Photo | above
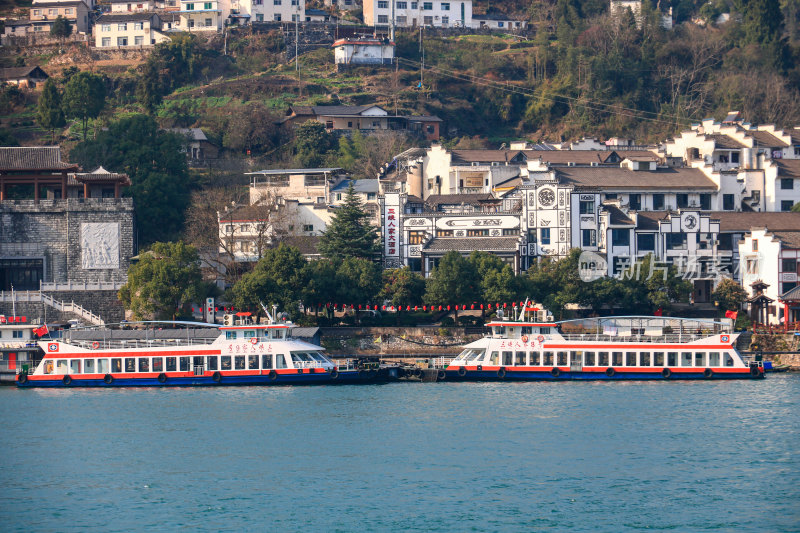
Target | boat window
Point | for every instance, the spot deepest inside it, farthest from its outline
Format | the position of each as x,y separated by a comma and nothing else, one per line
88,366
532,359
699,359
602,358
672,358
686,358
713,359
225,362
276,334
728,360
616,358
548,359
248,333
508,358
184,364
130,364
116,365
477,354
47,366
144,364
75,366
644,358
630,358
463,355
527,330
520,359
562,359
157,364
238,362
296,358
544,331
280,361
102,366
230,335
61,366
576,358
589,359
213,362
499,330
198,360
316,356
171,364
658,358
252,362
494,358
266,361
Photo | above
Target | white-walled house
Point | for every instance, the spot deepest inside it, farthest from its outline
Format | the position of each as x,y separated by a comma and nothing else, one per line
44,12
410,14
131,6
268,10
122,30
204,15
363,51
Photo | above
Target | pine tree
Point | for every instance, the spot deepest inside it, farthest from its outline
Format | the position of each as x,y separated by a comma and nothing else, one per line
350,234
49,113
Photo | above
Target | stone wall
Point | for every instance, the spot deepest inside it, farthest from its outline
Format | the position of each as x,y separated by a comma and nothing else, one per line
102,303
51,230
419,341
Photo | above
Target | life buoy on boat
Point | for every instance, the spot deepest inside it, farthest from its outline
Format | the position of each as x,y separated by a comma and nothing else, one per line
334,374
610,372
524,338
754,372
707,373
441,375
162,378
540,338
95,345
501,373
254,340
108,379
22,379
462,371
666,373
273,375
66,380
555,372
217,377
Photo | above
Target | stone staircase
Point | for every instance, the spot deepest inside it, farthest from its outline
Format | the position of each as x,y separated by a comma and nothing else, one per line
27,297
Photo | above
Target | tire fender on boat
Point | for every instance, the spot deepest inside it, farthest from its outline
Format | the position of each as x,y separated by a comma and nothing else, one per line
217,377
754,372
610,372
66,380
108,379
666,373
22,379
708,373
501,373
162,378
441,375
480,367
273,375
334,374
555,372
462,371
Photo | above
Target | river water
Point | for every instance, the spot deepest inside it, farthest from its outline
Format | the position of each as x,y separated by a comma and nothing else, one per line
720,455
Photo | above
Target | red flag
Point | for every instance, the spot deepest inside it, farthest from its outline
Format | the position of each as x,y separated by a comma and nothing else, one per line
658,312
41,331
731,314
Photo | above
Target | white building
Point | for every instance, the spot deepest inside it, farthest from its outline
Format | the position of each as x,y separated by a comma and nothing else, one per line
267,10
410,14
204,15
129,6
123,30
363,52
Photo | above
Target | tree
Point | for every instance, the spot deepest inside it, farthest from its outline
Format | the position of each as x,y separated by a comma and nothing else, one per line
48,112
278,278
312,143
251,129
729,294
61,28
321,287
453,281
166,278
402,287
349,233
84,97
153,159
358,280
496,278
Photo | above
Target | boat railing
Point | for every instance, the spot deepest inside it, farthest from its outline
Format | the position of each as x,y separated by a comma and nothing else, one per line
308,364
667,338
442,362
123,344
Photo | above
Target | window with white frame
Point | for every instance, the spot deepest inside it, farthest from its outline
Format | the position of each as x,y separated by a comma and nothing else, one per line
383,19
138,25
106,41
138,40
383,4
122,41
445,6
105,27
122,26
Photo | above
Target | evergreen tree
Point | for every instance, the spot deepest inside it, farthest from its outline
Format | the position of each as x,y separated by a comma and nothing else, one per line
453,281
401,286
350,233
278,278
84,97
312,144
762,20
48,112
61,28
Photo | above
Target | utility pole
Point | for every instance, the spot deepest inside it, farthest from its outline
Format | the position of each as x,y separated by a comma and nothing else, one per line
391,26
297,40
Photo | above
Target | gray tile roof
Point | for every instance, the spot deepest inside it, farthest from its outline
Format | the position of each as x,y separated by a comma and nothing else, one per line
195,134
766,139
485,156
469,244
724,141
620,178
745,220
788,168
306,244
33,158
14,73
618,218
648,220
790,238
341,109
359,186
109,18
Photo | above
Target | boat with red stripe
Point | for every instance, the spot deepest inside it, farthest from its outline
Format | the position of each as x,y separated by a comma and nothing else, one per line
244,353
531,346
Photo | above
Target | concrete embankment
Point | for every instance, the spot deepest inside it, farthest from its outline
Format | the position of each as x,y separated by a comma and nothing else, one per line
412,342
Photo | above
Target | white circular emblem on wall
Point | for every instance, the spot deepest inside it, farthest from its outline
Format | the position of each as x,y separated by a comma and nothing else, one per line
689,222
546,197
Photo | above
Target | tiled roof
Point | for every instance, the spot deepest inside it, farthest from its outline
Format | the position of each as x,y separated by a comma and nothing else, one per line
302,109
33,158
109,18
457,199
724,141
620,178
469,244
195,134
12,73
745,220
790,238
788,168
795,134
101,175
341,109
484,156
306,244
617,217
424,118
766,139
791,294
362,186
648,220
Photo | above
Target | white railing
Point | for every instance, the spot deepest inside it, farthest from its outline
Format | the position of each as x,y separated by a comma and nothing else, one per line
138,343
81,286
39,296
442,362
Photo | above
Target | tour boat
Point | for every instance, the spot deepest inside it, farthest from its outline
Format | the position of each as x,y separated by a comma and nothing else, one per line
603,348
243,354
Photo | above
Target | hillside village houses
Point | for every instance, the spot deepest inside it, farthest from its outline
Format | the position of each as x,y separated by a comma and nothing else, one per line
368,118
122,29
410,14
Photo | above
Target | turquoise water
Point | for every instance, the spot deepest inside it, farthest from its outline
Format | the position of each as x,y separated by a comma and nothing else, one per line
722,456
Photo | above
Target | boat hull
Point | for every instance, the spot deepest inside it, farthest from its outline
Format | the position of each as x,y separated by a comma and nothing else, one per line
348,377
565,374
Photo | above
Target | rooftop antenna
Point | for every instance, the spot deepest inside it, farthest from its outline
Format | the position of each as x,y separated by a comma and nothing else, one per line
266,311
